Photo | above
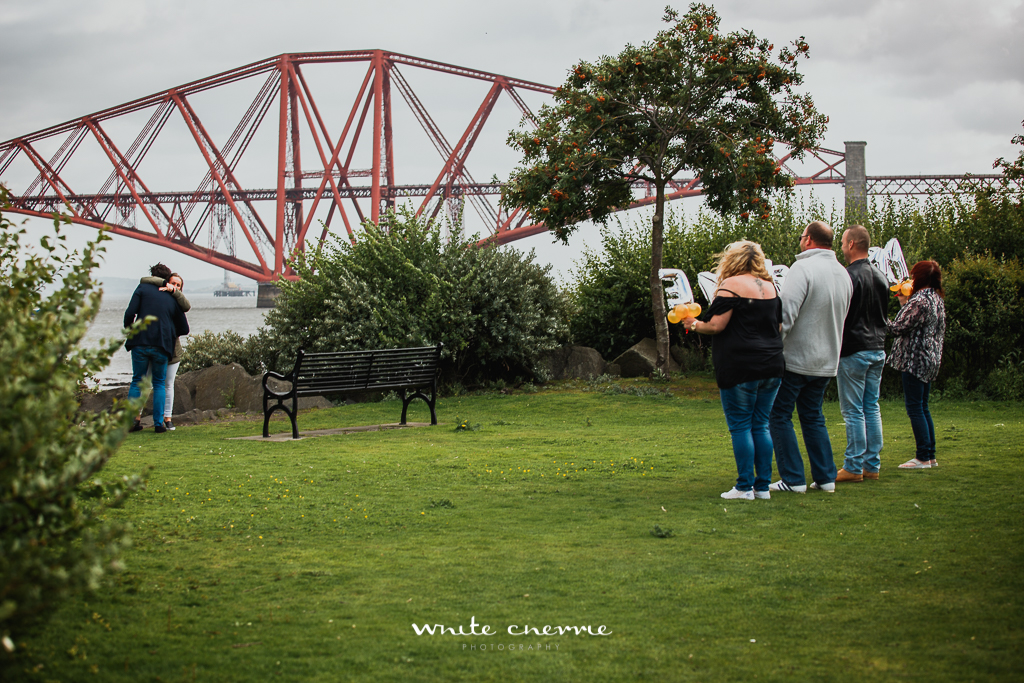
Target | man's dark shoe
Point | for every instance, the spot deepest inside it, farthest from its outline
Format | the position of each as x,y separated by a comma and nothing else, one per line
160,429
137,427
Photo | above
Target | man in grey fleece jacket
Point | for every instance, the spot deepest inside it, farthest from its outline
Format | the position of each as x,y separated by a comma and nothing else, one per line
815,299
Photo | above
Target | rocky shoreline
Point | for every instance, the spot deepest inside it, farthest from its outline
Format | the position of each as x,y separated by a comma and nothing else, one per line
221,390
203,395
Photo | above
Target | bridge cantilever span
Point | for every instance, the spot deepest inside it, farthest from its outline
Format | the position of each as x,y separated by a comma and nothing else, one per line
314,139
109,169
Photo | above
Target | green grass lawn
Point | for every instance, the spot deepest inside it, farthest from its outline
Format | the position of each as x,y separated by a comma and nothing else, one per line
312,560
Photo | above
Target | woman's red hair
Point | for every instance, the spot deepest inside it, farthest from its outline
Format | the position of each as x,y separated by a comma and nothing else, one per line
927,274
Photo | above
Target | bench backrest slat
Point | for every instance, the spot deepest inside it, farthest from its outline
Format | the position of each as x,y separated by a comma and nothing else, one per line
376,370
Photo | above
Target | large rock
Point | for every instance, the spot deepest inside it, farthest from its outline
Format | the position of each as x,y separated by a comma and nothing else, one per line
641,359
230,386
574,362
104,400
182,400
223,386
203,392
189,380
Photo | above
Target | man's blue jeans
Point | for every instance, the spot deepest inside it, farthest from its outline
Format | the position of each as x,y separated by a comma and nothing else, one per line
746,408
807,394
915,396
150,357
859,379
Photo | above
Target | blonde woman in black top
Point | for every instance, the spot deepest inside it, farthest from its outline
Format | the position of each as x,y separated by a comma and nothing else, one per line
745,318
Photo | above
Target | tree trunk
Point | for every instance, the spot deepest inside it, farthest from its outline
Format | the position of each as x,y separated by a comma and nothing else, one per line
657,289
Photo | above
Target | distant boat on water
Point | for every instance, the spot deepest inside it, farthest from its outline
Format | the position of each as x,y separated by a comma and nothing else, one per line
229,288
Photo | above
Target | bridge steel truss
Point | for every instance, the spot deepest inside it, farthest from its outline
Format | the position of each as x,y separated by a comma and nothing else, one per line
127,205
175,219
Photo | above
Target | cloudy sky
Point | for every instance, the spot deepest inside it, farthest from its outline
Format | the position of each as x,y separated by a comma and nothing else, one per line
933,86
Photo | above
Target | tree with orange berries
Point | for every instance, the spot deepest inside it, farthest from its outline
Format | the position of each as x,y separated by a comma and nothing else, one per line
692,101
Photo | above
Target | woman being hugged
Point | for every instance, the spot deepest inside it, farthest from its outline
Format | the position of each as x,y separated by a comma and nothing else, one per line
173,285
745,316
920,328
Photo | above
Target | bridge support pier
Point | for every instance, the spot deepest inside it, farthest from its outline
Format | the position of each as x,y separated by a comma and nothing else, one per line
266,294
856,183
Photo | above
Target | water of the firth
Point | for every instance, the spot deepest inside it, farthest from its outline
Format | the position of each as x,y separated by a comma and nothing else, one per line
209,312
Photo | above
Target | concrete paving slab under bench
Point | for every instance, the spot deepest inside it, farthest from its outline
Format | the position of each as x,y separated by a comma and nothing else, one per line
287,436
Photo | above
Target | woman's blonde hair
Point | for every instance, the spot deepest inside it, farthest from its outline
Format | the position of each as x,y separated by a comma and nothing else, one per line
741,258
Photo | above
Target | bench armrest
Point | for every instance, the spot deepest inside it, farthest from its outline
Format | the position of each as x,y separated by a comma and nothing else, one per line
276,375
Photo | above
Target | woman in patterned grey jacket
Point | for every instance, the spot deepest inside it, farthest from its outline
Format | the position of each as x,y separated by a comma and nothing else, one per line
920,327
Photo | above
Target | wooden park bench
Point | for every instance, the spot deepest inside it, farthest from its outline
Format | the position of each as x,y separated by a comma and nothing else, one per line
355,372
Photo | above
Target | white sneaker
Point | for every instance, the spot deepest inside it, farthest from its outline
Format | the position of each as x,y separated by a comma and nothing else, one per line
827,488
783,486
741,495
762,495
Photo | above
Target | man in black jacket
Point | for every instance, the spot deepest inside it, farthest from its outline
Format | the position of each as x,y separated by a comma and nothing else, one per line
861,360
153,346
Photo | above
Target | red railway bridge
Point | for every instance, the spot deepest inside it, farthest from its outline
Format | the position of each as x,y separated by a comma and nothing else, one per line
282,181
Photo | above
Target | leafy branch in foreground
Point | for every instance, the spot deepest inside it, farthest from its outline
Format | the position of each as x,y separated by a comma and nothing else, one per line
54,538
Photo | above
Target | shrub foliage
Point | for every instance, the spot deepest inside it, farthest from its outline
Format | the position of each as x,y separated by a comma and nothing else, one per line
54,538
208,348
984,334
977,240
404,284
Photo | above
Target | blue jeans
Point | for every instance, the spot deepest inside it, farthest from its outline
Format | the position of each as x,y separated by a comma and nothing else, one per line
915,396
807,394
859,379
152,357
746,407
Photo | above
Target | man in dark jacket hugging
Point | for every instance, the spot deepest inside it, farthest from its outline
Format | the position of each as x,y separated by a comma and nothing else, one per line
153,346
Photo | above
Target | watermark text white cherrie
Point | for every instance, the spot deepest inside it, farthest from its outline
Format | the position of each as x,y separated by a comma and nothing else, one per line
511,647
513,630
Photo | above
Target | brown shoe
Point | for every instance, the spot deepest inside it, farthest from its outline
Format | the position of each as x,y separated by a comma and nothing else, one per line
870,475
843,475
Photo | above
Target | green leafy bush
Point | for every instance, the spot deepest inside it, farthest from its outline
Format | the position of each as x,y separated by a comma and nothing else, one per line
945,228
1006,382
984,310
207,349
403,284
54,537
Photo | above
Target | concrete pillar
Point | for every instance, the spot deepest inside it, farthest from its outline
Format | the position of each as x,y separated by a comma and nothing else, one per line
856,183
266,294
